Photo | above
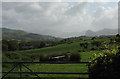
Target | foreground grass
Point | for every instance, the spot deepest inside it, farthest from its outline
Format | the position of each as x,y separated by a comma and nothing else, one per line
73,68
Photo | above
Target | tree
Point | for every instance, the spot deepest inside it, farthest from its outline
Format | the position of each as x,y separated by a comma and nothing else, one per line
42,44
66,57
117,35
21,45
75,57
92,38
118,38
96,43
13,45
4,45
32,58
36,44
43,58
85,45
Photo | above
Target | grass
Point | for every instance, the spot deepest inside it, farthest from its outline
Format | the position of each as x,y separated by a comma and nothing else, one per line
85,56
62,48
73,68
58,49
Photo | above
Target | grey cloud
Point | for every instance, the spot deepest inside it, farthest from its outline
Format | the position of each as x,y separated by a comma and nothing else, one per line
77,8
0,14
106,17
53,18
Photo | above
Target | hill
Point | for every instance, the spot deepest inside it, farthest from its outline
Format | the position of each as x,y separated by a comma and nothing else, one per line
101,32
87,54
25,36
90,33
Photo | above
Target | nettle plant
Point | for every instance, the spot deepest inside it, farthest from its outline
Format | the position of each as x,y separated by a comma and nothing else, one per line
106,64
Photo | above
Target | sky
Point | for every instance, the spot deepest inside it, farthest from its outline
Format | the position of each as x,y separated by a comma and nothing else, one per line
60,0
60,19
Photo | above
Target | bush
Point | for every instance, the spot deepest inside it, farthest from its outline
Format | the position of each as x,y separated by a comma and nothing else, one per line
105,67
13,45
93,38
66,57
117,35
79,50
75,57
85,45
93,49
43,58
32,58
4,47
96,43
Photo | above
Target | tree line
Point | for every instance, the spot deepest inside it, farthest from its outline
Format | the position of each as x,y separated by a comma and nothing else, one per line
12,45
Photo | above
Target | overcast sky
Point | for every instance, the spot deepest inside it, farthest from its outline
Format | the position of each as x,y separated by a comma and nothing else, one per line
59,19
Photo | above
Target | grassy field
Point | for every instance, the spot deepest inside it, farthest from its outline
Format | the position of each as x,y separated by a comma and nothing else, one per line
74,47
73,68
61,48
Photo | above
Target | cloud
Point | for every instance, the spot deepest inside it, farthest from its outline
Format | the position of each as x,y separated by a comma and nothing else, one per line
77,8
105,17
31,1
0,14
56,19
60,0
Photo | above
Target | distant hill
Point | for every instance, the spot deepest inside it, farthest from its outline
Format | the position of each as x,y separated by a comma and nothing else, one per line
102,32
90,33
25,36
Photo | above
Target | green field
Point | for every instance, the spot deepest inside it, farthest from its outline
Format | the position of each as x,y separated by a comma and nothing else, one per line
74,47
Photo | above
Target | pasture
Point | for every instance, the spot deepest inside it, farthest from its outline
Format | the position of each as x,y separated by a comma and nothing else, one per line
68,48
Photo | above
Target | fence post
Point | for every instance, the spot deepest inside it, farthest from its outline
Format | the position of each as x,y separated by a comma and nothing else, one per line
20,65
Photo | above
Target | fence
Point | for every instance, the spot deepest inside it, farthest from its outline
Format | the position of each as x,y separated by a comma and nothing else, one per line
20,64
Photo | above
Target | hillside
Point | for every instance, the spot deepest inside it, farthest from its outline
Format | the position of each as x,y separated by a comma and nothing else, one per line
73,47
22,35
34,55
101,32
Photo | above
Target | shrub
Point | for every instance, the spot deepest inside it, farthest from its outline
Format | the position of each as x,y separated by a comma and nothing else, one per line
32,58
117,35
93,49
13,45
4,47
43,58
102,48
75,57
93,38
96,43
79,50
66,57
105,66
85,45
